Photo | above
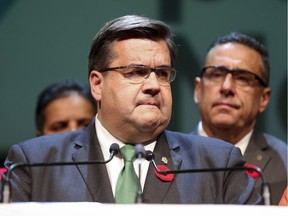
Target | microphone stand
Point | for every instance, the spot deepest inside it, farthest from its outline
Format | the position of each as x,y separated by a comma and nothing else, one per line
140,153
265,186
114,149
139,198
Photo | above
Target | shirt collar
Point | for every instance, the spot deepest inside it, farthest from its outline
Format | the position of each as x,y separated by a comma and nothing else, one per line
242,144
106,139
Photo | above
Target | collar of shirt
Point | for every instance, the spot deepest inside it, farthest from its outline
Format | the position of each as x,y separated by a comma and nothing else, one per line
242,144
115,166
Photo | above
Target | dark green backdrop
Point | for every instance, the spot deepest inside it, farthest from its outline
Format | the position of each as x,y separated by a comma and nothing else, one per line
42,41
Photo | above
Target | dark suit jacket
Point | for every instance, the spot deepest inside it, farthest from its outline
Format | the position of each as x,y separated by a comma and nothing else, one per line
91,182
270,154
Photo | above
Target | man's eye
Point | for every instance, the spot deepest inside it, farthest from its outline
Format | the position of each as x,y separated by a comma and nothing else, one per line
163,73
243,77
136,73
217,74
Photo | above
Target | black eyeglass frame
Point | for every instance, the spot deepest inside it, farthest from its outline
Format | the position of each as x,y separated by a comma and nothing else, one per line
152,69
232,72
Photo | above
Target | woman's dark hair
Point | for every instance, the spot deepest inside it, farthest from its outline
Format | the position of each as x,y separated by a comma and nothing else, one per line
58,90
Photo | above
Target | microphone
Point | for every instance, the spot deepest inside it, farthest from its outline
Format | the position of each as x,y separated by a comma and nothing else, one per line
265,186
139,154
114,149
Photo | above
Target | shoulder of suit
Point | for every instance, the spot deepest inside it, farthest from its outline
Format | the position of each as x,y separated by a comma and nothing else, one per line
275,142
49,140
197,139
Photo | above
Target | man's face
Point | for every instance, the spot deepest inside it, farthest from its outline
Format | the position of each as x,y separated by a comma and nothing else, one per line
226,104
134,112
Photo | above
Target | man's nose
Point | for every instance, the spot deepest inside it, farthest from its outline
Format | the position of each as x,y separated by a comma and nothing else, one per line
228,81
151,85
228,85
73,126
152,79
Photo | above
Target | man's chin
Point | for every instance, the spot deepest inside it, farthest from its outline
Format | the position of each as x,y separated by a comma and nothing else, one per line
224,124
152,123
224,121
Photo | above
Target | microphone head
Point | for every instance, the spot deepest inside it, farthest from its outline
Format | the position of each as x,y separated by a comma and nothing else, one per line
114,148
139,149
149,155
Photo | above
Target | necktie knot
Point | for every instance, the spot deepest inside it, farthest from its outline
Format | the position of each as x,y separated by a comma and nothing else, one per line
127,153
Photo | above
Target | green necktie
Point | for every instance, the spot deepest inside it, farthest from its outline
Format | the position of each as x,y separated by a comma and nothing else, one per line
127,183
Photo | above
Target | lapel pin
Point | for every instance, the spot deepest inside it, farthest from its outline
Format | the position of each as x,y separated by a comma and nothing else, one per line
164,160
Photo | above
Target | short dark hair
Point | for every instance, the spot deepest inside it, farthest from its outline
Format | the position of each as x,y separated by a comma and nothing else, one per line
127,27
57,90
244,39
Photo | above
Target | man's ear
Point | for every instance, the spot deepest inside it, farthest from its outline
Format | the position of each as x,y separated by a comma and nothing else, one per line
264,100
96,80
197,90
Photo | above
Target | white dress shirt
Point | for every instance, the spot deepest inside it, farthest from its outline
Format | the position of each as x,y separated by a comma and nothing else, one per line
242,144
115,166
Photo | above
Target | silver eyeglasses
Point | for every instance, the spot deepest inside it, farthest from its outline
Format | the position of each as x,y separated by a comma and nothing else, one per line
241,77
138,73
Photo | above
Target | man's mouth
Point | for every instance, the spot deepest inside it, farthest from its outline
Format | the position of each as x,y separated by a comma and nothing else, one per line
149,103
225,104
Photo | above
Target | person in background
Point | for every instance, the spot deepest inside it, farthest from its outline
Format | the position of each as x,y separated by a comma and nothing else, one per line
231,91
131,66
63,106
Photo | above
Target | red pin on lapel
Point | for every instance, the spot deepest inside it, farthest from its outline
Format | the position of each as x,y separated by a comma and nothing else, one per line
167,178
252,172
2,170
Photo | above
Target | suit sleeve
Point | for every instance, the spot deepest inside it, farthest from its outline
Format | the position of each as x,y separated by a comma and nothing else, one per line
20,181
238,182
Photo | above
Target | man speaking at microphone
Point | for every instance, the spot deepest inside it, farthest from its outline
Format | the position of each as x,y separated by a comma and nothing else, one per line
131,66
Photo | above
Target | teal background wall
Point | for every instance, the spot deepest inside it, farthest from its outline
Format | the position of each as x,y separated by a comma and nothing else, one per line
42,41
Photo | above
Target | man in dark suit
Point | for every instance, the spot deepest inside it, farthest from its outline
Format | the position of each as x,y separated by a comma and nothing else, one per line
230,92
130,69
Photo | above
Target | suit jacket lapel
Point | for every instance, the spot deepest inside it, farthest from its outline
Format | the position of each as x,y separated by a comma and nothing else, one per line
156,190
95,176
255,152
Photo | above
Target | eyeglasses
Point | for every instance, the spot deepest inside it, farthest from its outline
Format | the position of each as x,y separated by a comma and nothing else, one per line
138,73
241,77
